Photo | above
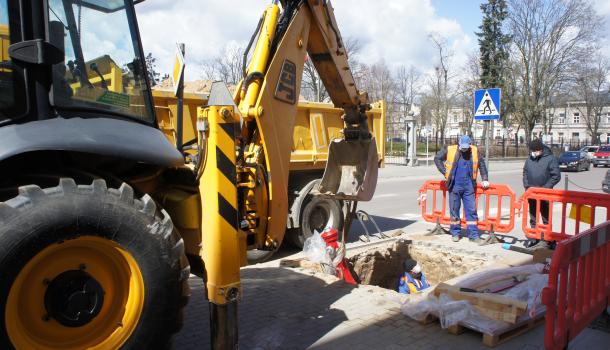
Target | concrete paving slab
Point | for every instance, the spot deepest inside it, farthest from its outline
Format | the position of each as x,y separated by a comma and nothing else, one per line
284,308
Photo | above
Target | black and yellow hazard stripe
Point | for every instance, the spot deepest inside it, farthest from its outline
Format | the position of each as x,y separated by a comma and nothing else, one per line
225,164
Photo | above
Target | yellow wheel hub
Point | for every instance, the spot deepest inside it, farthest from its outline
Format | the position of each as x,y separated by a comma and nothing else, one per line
84,293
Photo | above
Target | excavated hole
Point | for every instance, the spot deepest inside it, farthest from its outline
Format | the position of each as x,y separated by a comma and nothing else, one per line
383,265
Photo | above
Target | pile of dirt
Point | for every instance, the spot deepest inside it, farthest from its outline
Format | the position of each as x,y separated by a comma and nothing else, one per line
383,265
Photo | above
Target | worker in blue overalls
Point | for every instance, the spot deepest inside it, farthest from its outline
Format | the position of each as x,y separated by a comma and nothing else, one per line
460,165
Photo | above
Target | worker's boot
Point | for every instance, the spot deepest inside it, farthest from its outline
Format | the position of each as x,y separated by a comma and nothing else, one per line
455,238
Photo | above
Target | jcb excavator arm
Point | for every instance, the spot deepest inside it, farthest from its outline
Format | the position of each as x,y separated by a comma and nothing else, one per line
330,57
246,142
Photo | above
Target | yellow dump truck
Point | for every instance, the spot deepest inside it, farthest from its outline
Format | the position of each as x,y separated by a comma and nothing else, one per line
316,125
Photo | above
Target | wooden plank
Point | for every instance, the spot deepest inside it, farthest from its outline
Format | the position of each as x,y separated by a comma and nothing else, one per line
494,306
430,318
513,332
303,263
456,329
477,297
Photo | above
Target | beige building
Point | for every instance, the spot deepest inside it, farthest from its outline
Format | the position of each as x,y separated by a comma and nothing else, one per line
568,125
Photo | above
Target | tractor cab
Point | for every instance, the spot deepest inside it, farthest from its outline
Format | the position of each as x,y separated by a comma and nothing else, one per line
91,56
73,81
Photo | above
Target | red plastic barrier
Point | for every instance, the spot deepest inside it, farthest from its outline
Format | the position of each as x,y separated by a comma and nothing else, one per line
439,212
563,199
579,285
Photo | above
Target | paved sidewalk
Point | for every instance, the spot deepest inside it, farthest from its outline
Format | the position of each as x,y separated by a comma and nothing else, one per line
284,308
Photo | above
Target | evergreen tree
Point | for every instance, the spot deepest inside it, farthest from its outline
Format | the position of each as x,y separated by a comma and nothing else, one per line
493,43
151,69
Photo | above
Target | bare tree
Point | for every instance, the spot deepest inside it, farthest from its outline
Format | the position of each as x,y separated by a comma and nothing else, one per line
591,87
226,66
208,69
407,85
379,83
548,36
312,87
439,85
469,82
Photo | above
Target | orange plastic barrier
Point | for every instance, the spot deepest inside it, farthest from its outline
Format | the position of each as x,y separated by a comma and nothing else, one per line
583,206
579,285
495,194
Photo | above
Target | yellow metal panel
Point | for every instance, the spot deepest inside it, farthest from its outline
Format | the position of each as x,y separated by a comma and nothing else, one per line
585,213
277,121
222,253
4,42
318,131
260,57
116,79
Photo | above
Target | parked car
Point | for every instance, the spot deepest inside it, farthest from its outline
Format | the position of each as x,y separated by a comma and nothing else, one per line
606,182
602,156
590,151
574,160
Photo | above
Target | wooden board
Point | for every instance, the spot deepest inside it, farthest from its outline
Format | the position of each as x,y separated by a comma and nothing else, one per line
499,337
494,306
303,263
512,332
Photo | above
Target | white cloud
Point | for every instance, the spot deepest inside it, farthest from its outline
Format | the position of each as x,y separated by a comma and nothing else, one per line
603,9
395,31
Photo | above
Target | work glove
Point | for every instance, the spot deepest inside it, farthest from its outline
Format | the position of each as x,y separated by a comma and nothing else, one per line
485,184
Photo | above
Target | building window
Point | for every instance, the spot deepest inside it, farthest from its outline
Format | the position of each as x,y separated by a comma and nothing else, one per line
575,136
608,117
560,135
455,118
561,119
576,119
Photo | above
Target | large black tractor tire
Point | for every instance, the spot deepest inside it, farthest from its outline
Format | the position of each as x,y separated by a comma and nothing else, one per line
42,230
316,214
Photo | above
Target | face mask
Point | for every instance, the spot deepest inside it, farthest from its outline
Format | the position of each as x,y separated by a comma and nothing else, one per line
416,269
535,154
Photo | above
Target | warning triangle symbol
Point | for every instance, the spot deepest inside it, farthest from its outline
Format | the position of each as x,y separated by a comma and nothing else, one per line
486,106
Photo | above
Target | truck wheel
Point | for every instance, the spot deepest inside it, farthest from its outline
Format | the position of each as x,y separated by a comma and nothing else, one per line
316,214
89,267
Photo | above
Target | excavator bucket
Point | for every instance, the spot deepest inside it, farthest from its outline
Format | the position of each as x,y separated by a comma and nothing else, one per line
351,170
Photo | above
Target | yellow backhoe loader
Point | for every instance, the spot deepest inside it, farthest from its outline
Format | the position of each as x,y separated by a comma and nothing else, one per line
90,186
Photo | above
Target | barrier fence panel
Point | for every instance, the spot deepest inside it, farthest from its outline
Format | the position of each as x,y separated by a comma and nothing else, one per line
579,285
495,205
576,210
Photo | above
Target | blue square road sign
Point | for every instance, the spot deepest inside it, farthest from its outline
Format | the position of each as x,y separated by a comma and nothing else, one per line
487,104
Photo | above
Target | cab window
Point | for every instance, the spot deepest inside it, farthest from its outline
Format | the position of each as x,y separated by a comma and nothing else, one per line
102,69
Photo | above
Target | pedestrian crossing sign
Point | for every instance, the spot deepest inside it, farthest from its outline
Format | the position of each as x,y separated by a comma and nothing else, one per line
487,104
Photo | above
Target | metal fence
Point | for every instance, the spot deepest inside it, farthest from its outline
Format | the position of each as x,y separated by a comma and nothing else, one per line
396,144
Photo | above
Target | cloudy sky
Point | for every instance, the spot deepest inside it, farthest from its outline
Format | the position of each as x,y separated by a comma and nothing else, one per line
395,31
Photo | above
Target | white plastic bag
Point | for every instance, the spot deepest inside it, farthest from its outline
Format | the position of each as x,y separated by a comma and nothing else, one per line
419,305
314,249
451,312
